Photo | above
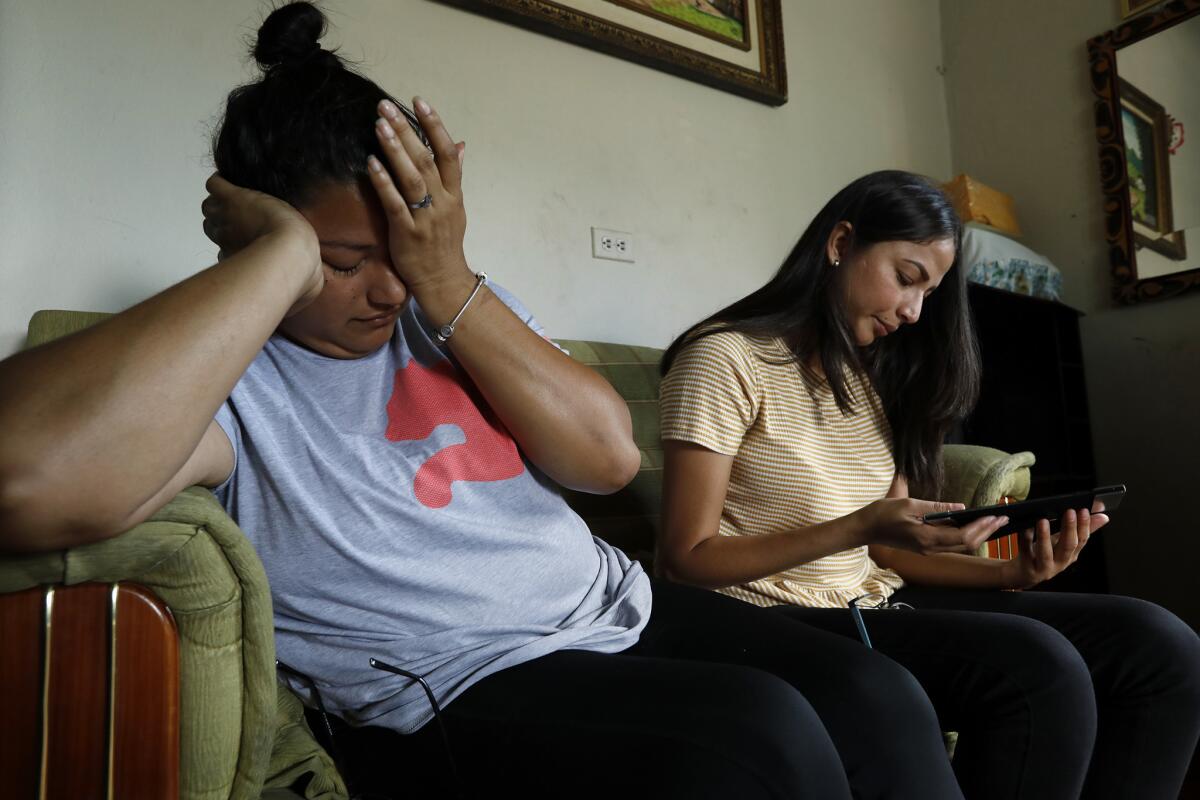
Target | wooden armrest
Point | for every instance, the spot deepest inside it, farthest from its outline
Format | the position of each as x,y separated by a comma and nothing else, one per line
91,673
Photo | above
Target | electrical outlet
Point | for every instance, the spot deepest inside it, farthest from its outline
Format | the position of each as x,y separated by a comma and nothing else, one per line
613,245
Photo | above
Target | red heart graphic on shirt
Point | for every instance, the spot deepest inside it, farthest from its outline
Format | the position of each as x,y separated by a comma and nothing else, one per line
423,398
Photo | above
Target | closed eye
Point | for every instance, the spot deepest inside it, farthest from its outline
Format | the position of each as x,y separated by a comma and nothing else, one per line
903,279
347,271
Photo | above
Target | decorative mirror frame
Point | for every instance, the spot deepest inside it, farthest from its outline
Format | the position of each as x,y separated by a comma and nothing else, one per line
1102,56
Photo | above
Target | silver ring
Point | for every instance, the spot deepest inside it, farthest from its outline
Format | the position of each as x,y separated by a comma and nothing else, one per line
426,202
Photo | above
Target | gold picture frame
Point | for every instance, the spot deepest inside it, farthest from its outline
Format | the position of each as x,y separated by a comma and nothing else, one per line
649,32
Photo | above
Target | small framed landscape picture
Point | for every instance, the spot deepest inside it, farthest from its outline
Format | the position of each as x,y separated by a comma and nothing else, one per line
722,20
1131,8
732,45
1148,171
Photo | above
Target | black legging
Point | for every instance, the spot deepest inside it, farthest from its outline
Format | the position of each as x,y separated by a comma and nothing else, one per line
723,700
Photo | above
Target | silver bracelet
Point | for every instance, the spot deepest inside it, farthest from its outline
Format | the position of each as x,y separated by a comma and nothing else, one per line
446,331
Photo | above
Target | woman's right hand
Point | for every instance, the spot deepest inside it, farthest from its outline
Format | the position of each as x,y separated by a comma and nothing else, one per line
425,242
235,218
898,523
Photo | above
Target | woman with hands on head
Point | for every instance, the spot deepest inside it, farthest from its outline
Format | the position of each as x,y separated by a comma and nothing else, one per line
388,428
795,423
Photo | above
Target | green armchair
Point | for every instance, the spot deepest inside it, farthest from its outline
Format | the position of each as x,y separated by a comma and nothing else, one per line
242,735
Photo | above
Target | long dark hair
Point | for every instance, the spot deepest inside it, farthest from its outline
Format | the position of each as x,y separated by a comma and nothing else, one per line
927,374
307,122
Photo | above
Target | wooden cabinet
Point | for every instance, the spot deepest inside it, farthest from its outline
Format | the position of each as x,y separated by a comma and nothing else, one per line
1034,397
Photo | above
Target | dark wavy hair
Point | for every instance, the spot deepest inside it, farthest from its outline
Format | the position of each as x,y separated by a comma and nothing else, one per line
926,374
307,122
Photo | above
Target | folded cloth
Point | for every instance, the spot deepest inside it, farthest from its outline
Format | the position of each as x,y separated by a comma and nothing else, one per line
993,259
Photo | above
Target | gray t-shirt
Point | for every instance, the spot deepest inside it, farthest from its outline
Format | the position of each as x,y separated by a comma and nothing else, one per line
397,519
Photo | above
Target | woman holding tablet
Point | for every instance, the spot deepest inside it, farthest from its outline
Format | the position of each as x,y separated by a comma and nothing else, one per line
801,424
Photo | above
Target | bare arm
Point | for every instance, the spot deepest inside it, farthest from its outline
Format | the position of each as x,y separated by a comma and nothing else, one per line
951,570
566,418
695,481
102,427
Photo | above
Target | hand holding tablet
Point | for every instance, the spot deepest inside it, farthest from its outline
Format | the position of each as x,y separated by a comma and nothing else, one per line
1027,513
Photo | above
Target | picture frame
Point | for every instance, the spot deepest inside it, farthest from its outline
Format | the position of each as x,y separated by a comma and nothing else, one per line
1146,130
732,45
1130,8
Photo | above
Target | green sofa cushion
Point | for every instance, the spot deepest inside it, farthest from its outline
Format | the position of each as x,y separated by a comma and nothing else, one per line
299,766
45,326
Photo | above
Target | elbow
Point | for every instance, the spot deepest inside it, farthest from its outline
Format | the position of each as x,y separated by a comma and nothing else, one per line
621,467
626,465
678,568
16,500
665,568
35,520
624,456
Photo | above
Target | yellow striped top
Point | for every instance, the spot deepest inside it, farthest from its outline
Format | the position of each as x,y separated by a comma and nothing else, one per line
797,460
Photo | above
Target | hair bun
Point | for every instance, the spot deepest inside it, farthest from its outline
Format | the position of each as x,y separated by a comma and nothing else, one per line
290,33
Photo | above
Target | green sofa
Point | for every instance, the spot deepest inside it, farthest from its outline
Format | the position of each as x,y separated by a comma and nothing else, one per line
244,736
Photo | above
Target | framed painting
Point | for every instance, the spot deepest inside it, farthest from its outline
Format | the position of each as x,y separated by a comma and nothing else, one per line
733,45
1146,130
1131,8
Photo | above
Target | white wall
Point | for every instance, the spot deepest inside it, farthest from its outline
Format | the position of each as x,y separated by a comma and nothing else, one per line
105,109
1021,120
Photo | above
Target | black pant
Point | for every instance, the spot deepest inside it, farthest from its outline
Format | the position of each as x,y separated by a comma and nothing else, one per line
721,699
1052,694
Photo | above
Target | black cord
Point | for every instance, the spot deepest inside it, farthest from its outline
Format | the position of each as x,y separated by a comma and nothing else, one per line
437,715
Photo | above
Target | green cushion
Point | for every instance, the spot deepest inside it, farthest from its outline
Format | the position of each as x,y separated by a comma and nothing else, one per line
980,476
47,325
298,764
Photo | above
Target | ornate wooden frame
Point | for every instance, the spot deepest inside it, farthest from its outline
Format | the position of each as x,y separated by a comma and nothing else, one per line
767,85
1113,169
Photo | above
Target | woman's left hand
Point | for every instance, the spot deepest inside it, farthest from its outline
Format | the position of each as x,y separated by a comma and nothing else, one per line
1042,556
425,243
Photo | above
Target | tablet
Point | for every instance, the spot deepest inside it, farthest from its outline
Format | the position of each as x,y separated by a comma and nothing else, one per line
1027,513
